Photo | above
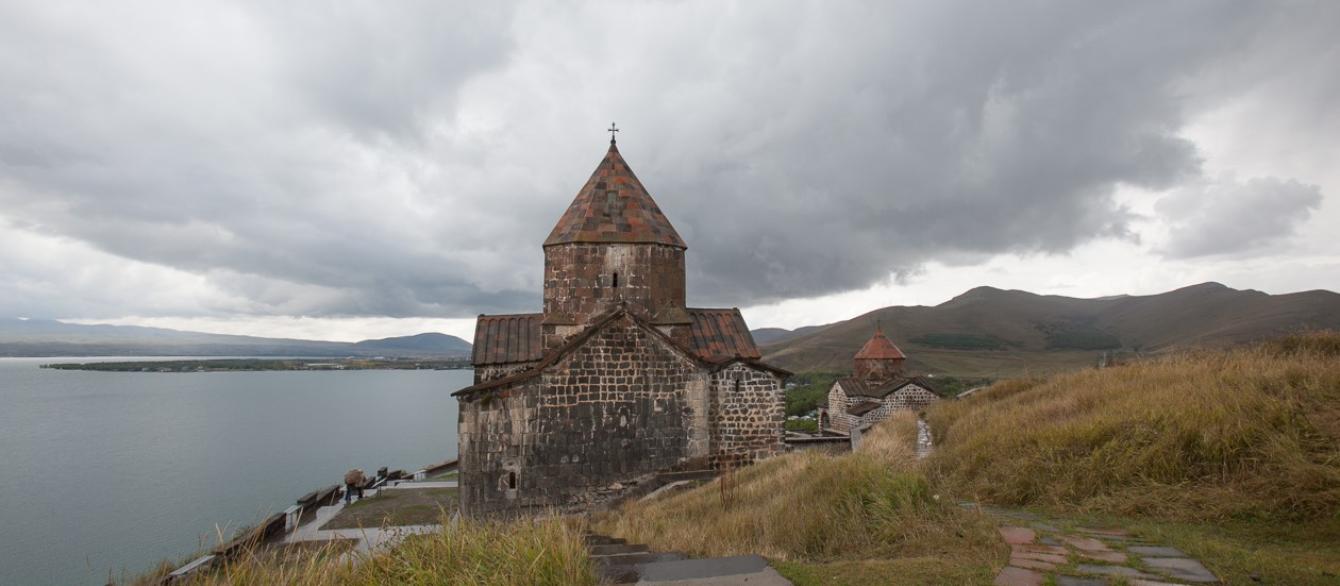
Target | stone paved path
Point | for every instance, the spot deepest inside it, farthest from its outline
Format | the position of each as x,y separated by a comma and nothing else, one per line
924,446
369,538
1041,551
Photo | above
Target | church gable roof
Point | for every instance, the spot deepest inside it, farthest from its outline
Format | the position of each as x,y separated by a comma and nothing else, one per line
720,334
554,356
504,339
715,335
613,206
855,387
501,350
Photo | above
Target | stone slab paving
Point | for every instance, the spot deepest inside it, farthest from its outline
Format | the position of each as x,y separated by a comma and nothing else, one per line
744,569
1182,569
369,538
1042,553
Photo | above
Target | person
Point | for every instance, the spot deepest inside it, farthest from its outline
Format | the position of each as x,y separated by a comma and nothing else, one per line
353,482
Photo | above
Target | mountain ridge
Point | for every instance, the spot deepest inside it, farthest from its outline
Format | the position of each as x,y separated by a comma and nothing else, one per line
987,331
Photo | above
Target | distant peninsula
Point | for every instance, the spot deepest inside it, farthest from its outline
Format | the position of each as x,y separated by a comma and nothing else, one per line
240,364
37,337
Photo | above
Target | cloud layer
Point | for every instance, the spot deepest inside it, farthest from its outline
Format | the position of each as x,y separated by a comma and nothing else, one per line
283,159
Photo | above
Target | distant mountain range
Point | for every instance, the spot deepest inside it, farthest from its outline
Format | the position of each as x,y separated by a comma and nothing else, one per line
33,337
993,332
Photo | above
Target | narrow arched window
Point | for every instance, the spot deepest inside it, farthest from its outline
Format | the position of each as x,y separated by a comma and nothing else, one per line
616,280
511,480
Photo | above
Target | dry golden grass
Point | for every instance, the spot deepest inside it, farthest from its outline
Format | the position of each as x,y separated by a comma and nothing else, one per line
520,553
1242,434
814,507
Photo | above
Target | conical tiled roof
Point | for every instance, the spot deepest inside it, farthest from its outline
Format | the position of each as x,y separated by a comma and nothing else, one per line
613,206
879,347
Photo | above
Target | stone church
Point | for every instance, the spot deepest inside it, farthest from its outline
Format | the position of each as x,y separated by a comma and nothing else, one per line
616,378
877,387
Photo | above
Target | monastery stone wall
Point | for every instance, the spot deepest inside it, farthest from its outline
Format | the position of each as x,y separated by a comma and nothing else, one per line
497,371
909,398
579,282
838,403
877,368
621,405
748,413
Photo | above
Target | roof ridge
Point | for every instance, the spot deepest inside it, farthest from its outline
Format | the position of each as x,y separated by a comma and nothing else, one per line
551,357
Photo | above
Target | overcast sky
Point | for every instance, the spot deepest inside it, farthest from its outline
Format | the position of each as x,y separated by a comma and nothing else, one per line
349,170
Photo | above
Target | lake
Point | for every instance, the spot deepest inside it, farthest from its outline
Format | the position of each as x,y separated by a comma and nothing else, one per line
105,473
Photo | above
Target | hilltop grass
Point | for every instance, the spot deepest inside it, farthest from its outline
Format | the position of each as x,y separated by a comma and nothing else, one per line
1250,434
814,513
520,553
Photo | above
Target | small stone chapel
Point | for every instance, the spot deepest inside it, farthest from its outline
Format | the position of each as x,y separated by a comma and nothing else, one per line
616,379
877,387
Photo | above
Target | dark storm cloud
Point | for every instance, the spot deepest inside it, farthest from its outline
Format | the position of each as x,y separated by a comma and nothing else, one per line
407,161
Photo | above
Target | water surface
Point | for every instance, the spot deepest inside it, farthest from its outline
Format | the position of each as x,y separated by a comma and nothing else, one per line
110,472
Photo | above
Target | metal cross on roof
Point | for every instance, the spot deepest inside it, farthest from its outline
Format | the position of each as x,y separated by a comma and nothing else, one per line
612,129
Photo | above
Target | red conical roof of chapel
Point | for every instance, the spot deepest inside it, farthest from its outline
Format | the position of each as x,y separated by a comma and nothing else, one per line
614,207
879,347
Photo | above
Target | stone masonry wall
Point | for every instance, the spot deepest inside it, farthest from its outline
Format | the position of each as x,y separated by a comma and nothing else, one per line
497,371
881,369
747,415
622,405
838,403
908,398
579,282
491,432
911,397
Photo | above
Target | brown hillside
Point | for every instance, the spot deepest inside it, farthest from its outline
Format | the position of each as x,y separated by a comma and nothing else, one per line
992,332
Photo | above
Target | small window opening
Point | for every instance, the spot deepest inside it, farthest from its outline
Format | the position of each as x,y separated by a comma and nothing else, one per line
616,280
511,481
737,385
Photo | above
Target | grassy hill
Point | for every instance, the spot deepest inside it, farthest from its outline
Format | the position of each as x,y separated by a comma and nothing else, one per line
996,333
1251,433
1232,456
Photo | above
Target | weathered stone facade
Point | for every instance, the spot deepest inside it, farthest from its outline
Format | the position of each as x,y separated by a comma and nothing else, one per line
623,404
747,414
617,379
911,397
877,388
582,281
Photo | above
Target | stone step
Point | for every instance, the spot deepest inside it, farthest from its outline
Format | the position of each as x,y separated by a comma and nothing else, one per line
616,548
596,539
627,568
742,570
704,474
628,559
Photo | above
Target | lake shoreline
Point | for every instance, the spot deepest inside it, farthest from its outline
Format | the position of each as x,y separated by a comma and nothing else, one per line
265,364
